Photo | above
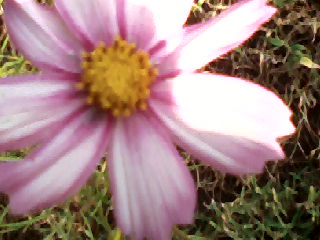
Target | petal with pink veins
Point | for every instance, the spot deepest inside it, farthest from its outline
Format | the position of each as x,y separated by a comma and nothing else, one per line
57,169
41,36
151,186
227,122
32,107
91,21
35,86
25,128
207,41
146,22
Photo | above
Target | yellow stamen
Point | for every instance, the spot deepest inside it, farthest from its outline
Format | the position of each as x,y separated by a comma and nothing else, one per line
117,78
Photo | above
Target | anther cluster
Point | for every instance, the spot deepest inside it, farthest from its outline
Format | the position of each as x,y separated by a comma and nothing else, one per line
117,78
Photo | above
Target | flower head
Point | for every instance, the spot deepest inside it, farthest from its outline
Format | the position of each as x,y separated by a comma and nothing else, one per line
119,77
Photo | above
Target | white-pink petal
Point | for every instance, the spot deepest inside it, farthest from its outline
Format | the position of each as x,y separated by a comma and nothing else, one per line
151,186
32,106
231,123
25,128
207,41
57,169
92,21
41,36
146,22
35,86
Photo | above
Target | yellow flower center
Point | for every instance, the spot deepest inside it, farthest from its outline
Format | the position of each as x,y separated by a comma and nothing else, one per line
117,78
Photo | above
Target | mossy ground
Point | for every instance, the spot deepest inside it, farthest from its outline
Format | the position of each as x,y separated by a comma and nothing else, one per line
281,203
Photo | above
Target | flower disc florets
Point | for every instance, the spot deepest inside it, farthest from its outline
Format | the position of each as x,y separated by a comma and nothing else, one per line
117,78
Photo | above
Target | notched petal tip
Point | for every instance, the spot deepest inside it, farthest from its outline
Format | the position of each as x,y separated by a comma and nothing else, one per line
229,123
205,42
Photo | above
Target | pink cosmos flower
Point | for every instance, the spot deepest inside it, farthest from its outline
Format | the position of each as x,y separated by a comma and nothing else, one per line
119,77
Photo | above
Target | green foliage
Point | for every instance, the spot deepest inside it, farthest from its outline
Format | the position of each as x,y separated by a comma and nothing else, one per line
265,211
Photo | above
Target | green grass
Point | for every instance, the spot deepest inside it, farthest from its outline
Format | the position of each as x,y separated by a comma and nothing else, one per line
281,203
